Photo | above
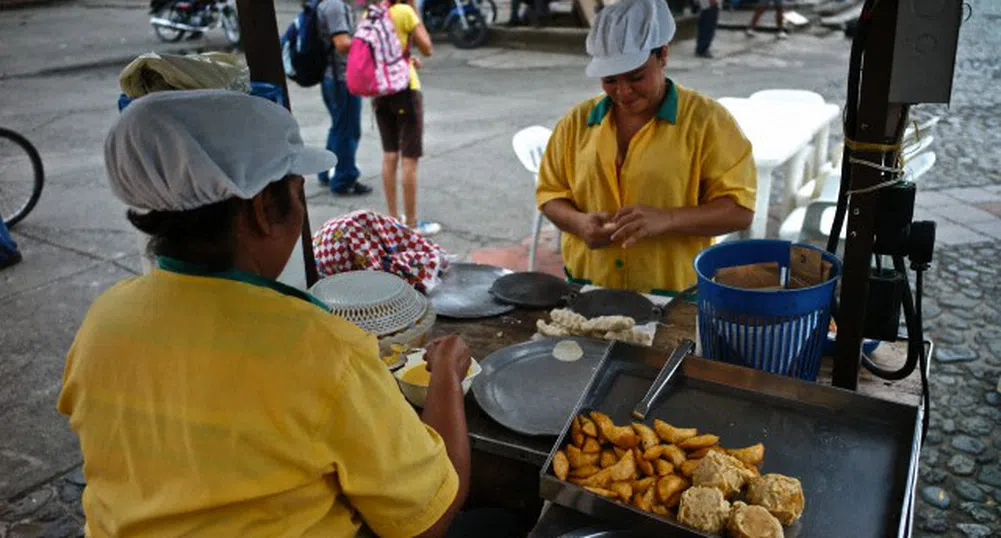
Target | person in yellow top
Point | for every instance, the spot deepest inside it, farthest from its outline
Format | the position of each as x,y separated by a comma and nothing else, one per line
400,118
211,400
644,176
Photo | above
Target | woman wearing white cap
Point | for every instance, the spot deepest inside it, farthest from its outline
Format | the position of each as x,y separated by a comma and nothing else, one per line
209,399
644,176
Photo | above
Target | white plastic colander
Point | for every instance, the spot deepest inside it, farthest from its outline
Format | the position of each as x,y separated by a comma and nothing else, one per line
379,303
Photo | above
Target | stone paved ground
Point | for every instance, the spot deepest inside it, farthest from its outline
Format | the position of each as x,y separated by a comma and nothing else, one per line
960,486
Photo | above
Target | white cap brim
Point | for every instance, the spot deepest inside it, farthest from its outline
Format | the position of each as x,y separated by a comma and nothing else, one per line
312,161
616,65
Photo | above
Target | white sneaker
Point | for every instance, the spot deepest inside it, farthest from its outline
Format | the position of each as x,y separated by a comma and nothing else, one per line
782,35
751,33
427,228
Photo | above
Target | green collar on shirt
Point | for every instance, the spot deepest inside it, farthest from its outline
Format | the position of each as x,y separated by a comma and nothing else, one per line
668,110
191,269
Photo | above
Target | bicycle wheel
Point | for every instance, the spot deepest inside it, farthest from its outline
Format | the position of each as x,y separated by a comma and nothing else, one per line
21,176
474,35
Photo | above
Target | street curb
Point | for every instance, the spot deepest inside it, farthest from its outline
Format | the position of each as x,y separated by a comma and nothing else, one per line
564,39
99,63
20,4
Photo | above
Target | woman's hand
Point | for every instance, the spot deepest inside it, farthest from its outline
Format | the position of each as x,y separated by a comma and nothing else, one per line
448,355
633,223
418,63
595,229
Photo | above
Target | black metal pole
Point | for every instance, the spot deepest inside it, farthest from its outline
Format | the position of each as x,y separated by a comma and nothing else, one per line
878,122
259,31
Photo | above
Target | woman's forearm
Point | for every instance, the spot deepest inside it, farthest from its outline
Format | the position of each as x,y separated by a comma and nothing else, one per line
563,214
445,412
718,217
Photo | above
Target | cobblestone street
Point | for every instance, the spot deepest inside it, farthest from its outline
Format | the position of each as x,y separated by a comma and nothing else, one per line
960,478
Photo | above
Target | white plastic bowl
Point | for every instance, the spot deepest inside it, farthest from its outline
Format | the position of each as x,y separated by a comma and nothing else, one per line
417,394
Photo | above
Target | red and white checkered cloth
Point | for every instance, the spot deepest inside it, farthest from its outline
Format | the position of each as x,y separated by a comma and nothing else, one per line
365,240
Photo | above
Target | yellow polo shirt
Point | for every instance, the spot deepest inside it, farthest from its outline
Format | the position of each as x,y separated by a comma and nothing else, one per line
228,405
691,153
405,20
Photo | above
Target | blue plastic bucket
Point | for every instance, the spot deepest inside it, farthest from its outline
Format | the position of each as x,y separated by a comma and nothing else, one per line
267,90
777,331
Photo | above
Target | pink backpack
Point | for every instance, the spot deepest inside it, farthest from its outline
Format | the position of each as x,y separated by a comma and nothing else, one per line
377,65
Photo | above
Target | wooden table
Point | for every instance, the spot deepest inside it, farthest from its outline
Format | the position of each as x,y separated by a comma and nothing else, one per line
506,464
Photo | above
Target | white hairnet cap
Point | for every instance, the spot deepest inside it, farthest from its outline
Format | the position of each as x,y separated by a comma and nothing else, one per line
625,33
180,150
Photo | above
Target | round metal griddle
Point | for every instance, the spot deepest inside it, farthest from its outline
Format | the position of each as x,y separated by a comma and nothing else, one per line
608,302
526,389
531,290
464,292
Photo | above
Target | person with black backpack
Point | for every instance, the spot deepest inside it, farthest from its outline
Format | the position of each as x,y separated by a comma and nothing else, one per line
335,25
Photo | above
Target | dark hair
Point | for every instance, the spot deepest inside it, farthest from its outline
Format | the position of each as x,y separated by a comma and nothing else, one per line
204,236
658,52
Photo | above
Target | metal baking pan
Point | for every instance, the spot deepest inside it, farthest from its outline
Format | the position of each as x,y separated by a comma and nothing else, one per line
525,389
531,290
854,455
608,302
464,292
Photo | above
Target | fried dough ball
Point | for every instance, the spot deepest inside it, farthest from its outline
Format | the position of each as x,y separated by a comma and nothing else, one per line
780,495
723,472
753,522
704,509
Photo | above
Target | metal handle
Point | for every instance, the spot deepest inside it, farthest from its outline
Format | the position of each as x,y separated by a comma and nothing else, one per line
685,348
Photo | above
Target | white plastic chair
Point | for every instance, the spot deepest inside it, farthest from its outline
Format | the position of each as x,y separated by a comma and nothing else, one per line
817,156
812,224
916,147
530,145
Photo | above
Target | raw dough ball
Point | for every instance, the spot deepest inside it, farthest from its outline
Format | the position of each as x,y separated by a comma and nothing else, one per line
723,472
780,495
753,522
704,509
567,351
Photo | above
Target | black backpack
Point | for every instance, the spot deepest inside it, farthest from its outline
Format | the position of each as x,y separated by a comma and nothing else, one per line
304,54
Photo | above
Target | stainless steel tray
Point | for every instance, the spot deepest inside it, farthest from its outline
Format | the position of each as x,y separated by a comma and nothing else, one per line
854,455
526,390
464,292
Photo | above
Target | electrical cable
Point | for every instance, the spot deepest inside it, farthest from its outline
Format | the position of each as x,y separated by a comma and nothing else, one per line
925,391
916,356
850,120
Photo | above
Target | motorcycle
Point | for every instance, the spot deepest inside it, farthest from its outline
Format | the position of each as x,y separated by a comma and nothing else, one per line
173,19
462,20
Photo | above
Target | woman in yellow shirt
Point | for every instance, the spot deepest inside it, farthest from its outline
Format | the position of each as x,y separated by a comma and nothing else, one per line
211,400
645,175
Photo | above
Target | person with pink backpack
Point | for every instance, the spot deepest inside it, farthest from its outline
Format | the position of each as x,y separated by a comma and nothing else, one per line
383,68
